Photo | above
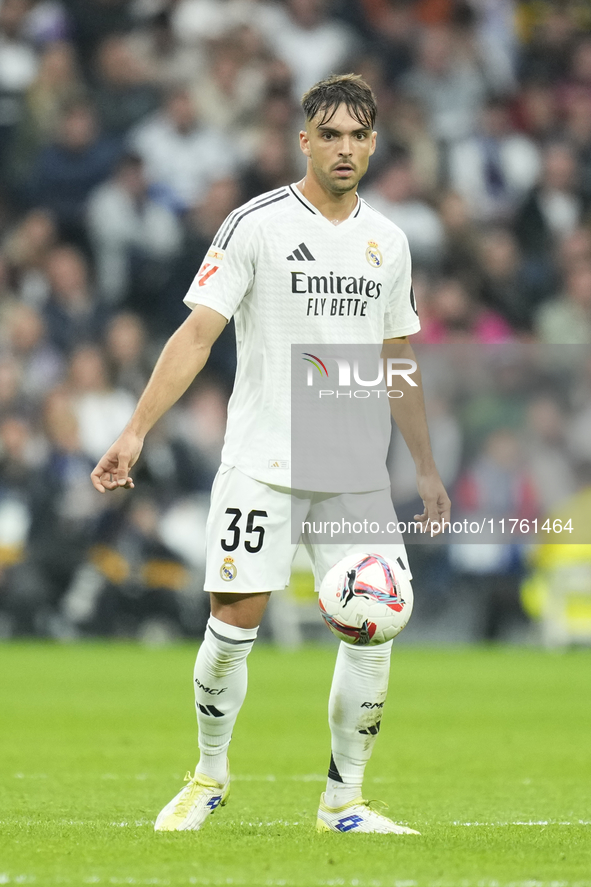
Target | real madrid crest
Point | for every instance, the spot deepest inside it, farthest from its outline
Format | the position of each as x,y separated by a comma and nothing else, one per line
228,570
373,255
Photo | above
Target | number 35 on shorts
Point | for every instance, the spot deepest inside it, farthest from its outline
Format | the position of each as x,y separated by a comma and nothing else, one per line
247,531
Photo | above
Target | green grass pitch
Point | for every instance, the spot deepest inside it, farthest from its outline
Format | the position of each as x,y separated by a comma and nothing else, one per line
485,751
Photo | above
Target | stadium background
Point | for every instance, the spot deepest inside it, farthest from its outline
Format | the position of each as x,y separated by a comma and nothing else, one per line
128,131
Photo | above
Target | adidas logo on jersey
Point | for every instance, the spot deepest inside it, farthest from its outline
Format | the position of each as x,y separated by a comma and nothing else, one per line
301,254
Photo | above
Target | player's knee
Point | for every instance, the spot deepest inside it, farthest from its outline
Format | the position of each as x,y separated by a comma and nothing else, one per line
239,610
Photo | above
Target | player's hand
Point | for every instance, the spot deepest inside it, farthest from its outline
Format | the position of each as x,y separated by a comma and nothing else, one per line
112,471
436,501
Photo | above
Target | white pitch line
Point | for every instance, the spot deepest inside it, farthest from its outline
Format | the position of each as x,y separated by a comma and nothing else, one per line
270,777
288,823
6,878
245,777
239,777
519,822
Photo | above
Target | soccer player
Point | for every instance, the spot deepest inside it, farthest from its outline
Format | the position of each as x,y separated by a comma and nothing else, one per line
257,272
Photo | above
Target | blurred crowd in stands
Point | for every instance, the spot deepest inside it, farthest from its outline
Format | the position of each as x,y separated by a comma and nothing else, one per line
129,129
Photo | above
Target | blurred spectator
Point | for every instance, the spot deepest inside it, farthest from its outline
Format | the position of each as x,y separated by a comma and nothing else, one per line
550,37
20,599
548,459
131,235
101,410
454,315
165,60
201,226
537,112
228,95
131,579
18,67
501,395
7,296
19,452
395,195
123,94
126,346
26,250
446,435
495,167
460,245
578,431
572,249
510,284
65,468
46,22
304,36
62,514
497,41
279,110
579,75
27,340
57,83
497,485
71,313
208,214
556,591
196,21
182,154
171,465
5,210
407,129
66,171
449,86
273,165
391,34
555,206
202,423
11,396
93,20
566,319
578,131
277,113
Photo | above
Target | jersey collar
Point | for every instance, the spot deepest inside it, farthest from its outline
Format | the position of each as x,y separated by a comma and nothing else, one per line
311,208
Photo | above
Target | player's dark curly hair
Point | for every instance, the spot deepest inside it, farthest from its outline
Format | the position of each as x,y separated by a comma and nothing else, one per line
341,89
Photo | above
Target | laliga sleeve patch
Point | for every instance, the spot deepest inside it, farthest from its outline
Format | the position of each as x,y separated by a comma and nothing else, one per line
206,272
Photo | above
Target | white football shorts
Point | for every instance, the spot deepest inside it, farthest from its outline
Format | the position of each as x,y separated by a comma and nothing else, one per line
249,532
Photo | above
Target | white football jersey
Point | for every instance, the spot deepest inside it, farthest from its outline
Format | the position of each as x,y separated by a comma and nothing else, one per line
289,276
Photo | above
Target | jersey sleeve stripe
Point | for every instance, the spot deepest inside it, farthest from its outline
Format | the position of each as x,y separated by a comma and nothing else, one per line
301,201
224,227
246,213
217,240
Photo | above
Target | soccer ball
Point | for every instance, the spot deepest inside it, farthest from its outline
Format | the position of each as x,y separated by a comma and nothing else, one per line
365,599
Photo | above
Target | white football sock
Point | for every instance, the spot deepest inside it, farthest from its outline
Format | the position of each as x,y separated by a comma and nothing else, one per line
220,679
355,706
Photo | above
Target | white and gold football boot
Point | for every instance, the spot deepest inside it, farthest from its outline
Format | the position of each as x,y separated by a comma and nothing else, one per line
189,809
358,816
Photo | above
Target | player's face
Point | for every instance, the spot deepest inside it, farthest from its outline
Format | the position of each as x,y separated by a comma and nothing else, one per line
338,150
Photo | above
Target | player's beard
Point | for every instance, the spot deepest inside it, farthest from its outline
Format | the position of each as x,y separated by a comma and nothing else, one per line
334,185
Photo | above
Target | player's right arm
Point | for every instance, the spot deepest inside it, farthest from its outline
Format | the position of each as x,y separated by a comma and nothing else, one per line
182,358
225,276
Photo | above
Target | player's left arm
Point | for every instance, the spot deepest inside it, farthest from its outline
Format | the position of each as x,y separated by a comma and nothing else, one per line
410,416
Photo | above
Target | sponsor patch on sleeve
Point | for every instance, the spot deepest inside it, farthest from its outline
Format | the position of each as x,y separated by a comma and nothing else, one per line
206,272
